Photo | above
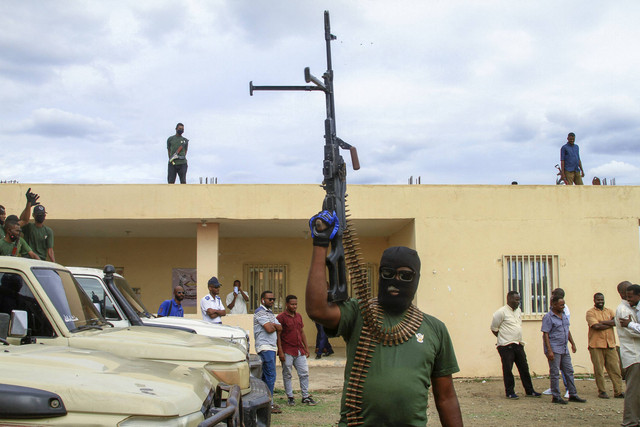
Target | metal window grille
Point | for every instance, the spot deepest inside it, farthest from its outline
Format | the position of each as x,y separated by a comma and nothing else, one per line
533,277
266,277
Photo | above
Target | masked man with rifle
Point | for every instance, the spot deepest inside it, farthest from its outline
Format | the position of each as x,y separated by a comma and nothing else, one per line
177,147
394,351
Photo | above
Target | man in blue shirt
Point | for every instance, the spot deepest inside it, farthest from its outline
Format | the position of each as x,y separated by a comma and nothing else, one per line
555,335
173,307
570,164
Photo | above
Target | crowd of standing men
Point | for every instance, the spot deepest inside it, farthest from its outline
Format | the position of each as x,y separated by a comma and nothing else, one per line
280,335
21,237
620,363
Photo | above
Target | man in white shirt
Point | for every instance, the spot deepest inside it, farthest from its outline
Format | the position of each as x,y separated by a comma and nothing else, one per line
507,326
629,337
237,299
211,305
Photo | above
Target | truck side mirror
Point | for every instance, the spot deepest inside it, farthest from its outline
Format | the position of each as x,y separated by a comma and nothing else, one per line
19,324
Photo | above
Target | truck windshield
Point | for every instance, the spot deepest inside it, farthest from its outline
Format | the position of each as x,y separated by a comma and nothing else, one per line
131,297
73,305
99,297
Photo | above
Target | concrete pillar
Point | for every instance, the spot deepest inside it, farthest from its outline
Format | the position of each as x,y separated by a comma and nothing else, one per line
207,249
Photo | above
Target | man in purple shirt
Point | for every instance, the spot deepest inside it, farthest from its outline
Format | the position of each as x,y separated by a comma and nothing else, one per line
555,335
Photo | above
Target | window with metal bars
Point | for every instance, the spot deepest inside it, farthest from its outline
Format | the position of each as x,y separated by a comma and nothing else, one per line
533,277
266,277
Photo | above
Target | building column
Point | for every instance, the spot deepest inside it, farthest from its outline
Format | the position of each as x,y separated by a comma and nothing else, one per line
207,249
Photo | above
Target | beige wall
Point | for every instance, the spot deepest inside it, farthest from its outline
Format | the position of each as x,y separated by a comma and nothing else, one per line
461,233
147,262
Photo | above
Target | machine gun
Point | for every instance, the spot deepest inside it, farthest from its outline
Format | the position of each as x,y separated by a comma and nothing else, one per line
333,168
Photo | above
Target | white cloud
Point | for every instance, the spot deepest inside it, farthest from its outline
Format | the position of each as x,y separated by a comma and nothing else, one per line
454,92
624,173
55,123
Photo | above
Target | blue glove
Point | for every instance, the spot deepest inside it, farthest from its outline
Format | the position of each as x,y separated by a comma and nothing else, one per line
326,230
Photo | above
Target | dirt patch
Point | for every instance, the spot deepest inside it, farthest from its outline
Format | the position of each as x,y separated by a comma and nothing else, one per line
482,402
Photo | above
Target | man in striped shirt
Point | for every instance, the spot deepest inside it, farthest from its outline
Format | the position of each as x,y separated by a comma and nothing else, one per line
265,330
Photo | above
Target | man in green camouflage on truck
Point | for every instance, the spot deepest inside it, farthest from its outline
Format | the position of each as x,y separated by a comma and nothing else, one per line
177,147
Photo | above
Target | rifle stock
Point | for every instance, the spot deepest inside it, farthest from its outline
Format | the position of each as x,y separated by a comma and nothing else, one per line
176,155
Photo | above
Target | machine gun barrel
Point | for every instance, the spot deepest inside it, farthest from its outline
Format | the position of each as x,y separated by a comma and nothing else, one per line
333,168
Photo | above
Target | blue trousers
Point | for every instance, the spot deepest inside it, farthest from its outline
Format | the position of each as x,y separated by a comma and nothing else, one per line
268,368
322,341
561,362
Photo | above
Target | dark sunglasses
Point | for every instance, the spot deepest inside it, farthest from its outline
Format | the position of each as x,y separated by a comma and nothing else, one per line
269,299
391,273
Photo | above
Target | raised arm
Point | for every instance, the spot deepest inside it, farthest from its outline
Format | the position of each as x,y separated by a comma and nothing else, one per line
318,308
32,200
324,227
232,303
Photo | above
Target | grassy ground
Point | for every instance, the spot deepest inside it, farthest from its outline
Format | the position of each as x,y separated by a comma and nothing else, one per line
325,413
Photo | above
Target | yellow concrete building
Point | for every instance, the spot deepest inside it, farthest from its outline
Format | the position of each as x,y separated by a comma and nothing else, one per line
474,242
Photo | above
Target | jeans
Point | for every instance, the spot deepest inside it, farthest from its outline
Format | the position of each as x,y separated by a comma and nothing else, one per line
300,363
268,368
561,362
515,353
181,170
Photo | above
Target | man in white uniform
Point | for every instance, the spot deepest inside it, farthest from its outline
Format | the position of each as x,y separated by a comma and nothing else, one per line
211,305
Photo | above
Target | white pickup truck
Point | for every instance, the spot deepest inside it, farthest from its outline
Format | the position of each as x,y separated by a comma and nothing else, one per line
64,386
120,305
61,314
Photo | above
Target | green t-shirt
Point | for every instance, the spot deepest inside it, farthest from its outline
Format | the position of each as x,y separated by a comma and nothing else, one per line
21,247
39,238
396,389
173,143
2,233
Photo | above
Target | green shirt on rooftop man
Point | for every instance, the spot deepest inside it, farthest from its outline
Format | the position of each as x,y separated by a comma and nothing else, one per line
174,142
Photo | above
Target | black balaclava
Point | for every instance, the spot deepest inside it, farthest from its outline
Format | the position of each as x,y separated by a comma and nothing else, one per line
395,257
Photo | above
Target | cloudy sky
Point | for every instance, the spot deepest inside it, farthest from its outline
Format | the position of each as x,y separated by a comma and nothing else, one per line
455,92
